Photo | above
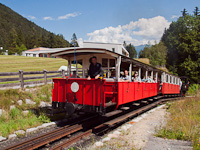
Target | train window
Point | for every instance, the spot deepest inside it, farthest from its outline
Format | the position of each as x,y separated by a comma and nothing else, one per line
79,69
107,65
104,62
112,62
166,78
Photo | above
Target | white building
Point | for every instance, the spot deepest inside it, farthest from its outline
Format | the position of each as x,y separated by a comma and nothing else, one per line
114,47
39,52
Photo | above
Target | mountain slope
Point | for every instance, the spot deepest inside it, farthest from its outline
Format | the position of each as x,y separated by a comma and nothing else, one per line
17,33
139,48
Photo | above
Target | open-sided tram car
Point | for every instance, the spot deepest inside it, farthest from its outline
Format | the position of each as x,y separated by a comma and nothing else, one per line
81,94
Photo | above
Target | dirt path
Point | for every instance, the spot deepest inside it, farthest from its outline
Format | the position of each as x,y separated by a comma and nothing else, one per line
139,134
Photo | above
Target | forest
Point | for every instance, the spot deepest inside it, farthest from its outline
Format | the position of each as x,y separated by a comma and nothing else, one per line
18,34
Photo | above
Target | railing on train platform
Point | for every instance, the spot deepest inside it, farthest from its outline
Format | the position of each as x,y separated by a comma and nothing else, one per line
21,79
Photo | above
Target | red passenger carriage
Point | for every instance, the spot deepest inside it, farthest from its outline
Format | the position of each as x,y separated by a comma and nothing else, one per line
97,95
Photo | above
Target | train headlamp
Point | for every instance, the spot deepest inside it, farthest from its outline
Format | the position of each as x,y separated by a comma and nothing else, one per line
74,87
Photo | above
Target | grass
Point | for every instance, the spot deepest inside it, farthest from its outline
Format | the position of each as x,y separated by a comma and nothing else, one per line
11,96
16,63
16,120
183,122
143,60
12,120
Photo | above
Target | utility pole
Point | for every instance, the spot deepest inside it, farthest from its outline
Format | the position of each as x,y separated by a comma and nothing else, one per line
2,44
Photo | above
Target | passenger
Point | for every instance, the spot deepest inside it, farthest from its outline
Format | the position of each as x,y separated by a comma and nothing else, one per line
154,80
74,75
113,74
95,69
143,79
187,85
136,78
180,84
161,84
149,80
126,77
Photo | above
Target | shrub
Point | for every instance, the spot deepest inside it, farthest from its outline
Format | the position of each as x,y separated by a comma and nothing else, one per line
193,89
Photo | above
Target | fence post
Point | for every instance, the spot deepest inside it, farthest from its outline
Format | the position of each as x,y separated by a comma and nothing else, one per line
63,73
45,76
21,79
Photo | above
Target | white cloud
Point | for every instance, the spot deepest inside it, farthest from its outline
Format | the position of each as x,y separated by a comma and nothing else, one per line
80,42
137,33
175,16
48,18
67,16
31,17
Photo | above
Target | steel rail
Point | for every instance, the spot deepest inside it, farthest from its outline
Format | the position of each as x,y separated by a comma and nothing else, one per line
45,138
51,136
107,124
72,140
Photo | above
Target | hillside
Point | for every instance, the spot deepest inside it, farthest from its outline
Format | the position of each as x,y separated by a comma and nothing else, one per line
18,33
16,63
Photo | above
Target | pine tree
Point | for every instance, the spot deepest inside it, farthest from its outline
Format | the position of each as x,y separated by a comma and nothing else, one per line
184,12
131,49
124,44
196,11
74,41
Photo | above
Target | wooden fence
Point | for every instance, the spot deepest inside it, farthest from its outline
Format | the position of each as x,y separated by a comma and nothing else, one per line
20,78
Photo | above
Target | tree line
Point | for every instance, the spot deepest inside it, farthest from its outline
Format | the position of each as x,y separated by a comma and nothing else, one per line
179,47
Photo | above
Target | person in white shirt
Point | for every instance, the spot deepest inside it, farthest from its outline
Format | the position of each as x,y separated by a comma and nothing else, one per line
136,78
126,77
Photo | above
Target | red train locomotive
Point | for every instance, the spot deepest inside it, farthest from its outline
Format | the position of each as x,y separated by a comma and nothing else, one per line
96,95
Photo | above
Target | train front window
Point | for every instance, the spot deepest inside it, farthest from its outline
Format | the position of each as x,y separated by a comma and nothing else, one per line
104,62
112,62
77,66
108,66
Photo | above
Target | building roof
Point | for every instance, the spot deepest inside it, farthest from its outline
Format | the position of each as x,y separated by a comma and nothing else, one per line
37,49
103,43
42,50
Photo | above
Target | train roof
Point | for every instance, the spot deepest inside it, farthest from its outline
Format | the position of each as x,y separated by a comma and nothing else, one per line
69,52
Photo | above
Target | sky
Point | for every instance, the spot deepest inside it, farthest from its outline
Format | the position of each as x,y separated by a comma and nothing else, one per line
110,21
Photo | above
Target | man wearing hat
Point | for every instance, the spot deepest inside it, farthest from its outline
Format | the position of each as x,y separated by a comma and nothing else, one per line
95,70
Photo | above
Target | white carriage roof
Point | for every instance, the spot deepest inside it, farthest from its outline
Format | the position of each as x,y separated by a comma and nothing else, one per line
83,51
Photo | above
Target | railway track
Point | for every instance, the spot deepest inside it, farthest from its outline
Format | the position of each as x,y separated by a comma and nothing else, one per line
82,129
